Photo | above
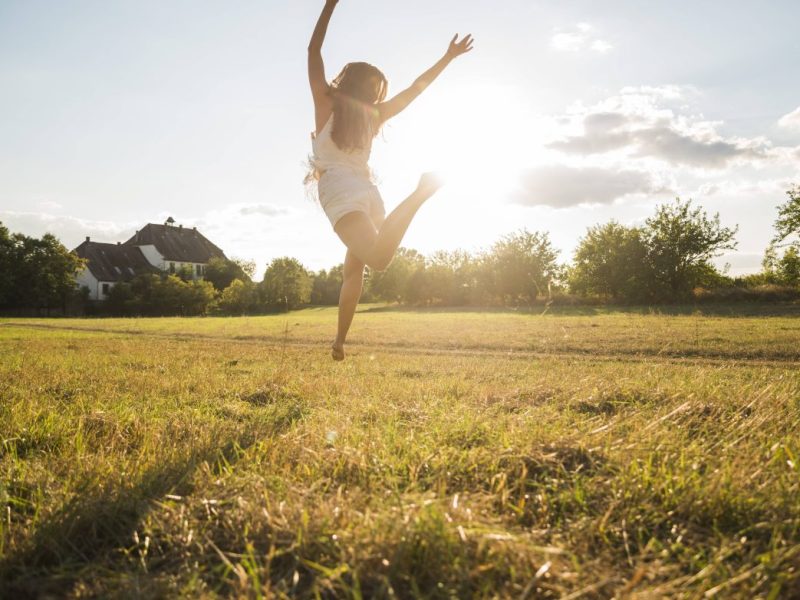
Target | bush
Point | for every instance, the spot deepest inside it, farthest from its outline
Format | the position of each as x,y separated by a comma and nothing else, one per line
160,295
326,285
239,298
759,293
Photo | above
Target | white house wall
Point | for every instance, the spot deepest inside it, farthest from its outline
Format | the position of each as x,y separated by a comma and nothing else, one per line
87,280
168,268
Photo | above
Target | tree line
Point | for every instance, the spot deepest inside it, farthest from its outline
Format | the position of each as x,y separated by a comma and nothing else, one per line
36,273
666,259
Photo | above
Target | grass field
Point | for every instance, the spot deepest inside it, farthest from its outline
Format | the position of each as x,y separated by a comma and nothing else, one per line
455,454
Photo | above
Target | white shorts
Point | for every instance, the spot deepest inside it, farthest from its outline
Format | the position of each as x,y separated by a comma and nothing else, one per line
342,192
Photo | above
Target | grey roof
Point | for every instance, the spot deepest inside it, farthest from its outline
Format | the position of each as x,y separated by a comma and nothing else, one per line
114,262
177,243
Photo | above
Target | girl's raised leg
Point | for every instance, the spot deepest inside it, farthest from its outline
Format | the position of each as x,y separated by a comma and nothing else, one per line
376,250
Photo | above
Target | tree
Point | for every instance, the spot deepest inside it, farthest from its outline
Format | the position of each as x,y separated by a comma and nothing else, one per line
788,222
248,267
452,277
7,274
194,296
419,289
680,242
160,295
185,273
239,298
326,286
609,262
785,268
36,273
221,271
121,299
789,266
286,284
524,265
392,284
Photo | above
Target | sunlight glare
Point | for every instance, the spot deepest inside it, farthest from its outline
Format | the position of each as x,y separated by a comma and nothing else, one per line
476,139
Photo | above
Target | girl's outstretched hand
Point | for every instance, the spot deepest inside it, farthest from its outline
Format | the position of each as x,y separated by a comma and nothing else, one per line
429,184
457,48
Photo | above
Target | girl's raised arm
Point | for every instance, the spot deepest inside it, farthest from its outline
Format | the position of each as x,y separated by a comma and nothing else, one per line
316,67
400,102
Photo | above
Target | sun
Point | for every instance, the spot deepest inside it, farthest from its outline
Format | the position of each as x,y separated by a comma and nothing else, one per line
478,137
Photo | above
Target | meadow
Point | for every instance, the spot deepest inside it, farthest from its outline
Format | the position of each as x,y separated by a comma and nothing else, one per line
569,453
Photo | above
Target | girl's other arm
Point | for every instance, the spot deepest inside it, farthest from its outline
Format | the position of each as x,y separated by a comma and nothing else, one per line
400,102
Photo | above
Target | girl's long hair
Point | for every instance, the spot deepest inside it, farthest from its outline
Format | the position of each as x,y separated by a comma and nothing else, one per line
356,91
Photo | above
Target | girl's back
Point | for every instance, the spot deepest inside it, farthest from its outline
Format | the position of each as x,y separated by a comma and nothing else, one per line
327,155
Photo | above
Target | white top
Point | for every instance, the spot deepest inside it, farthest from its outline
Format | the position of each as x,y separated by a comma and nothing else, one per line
327,155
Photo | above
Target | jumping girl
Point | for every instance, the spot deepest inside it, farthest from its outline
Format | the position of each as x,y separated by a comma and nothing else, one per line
349,112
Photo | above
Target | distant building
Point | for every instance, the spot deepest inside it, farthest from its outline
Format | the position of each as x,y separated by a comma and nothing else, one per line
107,265
153,249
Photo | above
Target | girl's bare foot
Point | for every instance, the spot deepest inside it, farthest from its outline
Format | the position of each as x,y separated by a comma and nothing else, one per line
337,352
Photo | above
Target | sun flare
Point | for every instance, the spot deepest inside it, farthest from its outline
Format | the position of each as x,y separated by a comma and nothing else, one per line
478,139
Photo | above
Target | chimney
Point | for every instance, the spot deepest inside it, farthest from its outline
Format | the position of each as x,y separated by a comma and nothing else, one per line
119,243
180,226
87,239
194,228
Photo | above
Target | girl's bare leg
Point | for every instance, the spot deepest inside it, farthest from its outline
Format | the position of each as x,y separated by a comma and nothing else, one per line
366,246
352,284
376,250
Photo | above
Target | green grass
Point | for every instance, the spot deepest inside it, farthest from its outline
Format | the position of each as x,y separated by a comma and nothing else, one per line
455,454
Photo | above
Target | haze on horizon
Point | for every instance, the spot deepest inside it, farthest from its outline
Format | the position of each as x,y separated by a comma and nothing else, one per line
117,114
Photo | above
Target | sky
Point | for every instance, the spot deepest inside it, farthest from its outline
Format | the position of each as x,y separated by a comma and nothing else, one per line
566,114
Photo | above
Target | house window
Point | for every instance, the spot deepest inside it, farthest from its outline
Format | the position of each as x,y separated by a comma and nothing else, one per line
199,270
106,288
171,267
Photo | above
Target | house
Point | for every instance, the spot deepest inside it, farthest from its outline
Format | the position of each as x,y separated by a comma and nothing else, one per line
153,249
107,265
170,248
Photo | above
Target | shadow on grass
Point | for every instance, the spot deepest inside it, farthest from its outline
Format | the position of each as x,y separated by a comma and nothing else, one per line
98,524
782,309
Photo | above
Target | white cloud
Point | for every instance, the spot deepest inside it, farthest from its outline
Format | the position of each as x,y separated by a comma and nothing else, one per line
792,120
578,38
47,205
267,210
70,230
601,46
263,231
637,124
568,42
727,188
562,186
739,263
644,93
